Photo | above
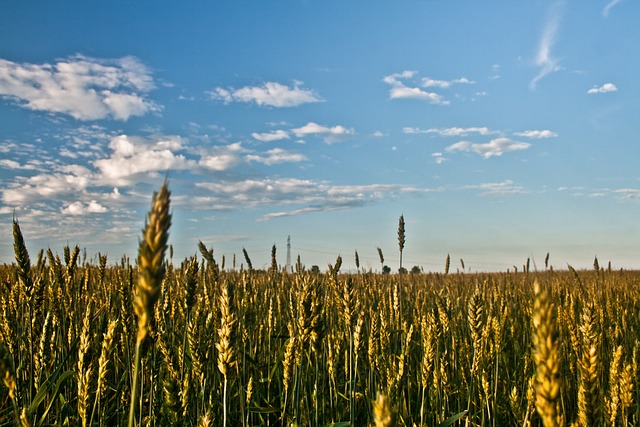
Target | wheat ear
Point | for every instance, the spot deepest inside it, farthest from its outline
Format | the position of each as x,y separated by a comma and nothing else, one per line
546,354
151,273
383,415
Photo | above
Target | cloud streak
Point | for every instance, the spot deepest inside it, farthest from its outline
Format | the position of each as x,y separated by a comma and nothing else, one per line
452,131
544,60
609,6
276,156
537,134
303,195
504,188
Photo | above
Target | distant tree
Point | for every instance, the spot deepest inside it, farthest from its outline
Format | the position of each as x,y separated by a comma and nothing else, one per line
315,269
416,270
386,269
402,270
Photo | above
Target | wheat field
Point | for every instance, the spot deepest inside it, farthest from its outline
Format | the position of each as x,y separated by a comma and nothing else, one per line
153,343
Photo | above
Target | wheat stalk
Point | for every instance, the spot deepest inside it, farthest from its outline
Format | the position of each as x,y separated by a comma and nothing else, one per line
151,273
546,354
225,343
589,396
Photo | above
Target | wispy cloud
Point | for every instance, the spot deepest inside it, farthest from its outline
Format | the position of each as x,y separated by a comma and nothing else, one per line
605,88
632,194
609,6
503,188
452,131
271,94
329,134
276,156
298,196
327,198
628,193
537,134
496,147
545,61
439,158
83,87
444,84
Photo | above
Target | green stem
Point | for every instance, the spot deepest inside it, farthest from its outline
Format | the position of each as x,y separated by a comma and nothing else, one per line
134,387
224,402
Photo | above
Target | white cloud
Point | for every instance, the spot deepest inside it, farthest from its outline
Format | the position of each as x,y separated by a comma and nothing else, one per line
453,131
84,88
132,155
270,94
47,186
271,136
503,188
495,69
330,134
78,208
537,134
222,158
400,90
393,78
32,164
544,60
275,156
496,147
444,84
9,164
439,158
605,88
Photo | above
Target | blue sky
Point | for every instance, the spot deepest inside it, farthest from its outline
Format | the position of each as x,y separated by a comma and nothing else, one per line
500,130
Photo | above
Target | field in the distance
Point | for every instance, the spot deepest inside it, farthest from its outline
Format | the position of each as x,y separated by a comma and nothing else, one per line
195,343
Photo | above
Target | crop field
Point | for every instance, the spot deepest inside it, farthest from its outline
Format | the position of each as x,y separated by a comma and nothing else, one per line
153,343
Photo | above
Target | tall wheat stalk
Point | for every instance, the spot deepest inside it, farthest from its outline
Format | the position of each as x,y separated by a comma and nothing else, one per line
226,357
151,252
